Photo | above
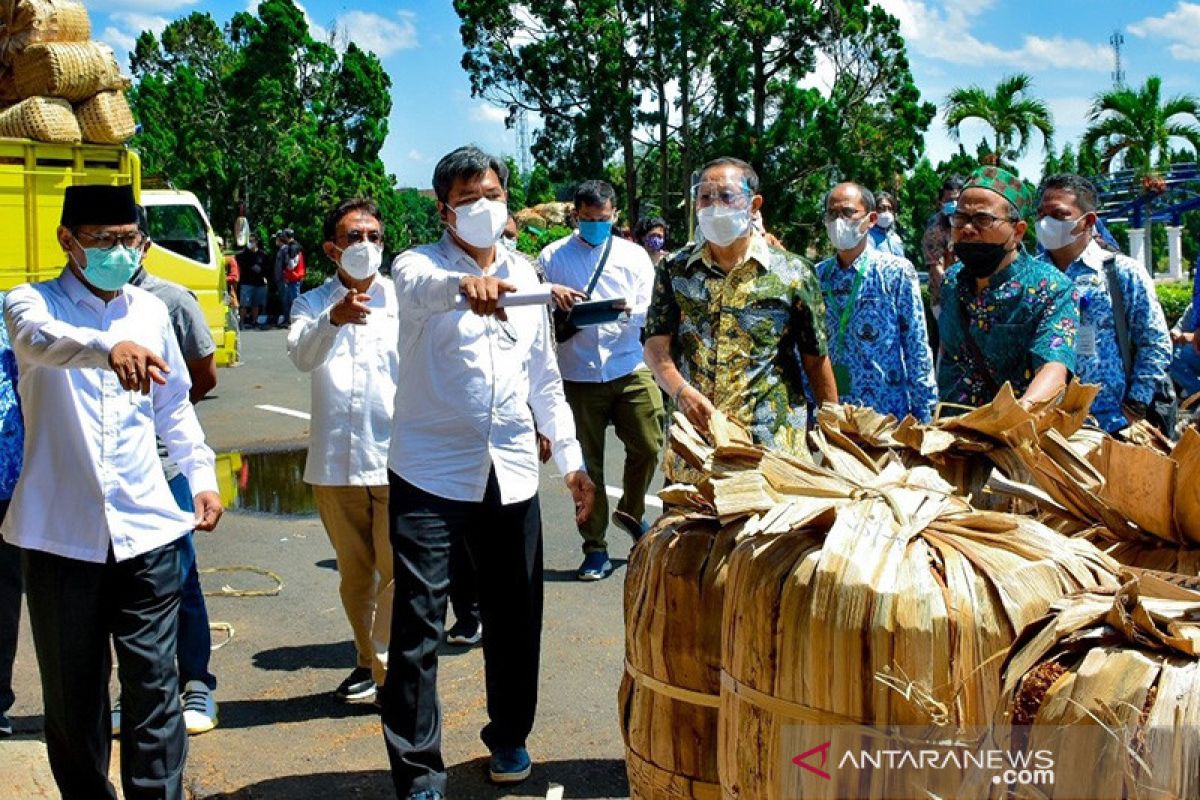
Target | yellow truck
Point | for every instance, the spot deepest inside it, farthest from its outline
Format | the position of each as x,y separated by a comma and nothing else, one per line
33,177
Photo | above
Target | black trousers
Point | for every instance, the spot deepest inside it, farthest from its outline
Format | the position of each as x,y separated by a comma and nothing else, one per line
464,597
10,614
505,541
75,609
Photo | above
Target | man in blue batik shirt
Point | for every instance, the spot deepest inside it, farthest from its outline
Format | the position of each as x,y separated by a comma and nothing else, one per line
12,445
1066,215
874,318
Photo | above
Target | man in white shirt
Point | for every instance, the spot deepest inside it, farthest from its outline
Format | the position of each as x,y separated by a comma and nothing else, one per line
463,462
605,380
101,374
344,333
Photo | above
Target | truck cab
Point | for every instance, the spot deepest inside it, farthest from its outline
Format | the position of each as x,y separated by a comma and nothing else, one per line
185,250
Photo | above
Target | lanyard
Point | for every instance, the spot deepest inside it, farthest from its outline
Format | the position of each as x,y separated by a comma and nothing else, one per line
848,310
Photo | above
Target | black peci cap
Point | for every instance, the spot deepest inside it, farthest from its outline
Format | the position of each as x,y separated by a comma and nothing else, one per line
95,204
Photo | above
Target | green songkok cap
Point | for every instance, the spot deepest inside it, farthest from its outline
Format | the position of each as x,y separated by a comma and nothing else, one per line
1003,183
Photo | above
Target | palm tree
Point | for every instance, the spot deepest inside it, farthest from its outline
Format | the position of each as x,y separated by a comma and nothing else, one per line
1010,112
1137,125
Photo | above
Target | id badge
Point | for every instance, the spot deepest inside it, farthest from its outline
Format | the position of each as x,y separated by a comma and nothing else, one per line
1085,343
845,385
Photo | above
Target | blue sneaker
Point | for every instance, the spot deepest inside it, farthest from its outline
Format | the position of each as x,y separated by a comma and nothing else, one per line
509,765
595,567
636,528
427,794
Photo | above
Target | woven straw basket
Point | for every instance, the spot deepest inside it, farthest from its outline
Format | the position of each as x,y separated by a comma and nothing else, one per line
28,22
106,119
71,70
45,119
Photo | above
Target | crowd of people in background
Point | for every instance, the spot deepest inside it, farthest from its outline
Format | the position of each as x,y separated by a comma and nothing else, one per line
437,393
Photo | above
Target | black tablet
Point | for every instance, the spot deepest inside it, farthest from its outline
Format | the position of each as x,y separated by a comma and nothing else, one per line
597,312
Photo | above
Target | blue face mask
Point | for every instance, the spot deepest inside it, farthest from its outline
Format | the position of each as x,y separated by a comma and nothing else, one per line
949,208
595,232
109,270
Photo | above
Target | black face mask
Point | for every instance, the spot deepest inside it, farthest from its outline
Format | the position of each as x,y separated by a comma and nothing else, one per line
980,259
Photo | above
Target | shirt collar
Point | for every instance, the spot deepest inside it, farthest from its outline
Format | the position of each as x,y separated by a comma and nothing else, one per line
759,252
375,288
863,259
81,295
455,254
1092,257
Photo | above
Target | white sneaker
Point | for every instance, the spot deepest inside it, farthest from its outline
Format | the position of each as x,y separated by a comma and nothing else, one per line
199,708
116,717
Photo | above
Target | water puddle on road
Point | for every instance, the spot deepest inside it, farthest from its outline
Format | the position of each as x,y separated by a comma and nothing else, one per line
269,483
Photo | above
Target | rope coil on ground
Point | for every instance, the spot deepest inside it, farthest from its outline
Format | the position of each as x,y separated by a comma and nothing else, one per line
228,591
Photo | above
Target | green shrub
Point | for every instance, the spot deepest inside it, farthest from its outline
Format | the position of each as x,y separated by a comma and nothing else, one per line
531,240
1174,298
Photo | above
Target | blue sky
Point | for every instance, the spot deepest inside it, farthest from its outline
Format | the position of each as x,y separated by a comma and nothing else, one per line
1063,44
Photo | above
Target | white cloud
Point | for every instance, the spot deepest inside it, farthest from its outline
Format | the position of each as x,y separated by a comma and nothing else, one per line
417,155
1183,52
122,36
136,22
486,112
378,34
116,39
945,34
1181,26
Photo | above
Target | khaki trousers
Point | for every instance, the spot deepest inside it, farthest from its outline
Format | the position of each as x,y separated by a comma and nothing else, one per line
356,520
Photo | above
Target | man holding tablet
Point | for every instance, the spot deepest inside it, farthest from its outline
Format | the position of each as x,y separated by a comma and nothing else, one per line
600,357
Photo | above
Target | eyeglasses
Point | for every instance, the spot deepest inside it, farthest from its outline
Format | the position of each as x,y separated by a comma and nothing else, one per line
844,213
980,220
731,197
356,236
107,241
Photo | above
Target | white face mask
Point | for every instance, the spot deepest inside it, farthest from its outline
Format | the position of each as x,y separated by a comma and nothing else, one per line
722,225
844,234
1055,234
361,260
886,219
480,224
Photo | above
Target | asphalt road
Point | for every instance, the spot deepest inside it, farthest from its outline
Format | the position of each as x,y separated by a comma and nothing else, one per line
282,734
